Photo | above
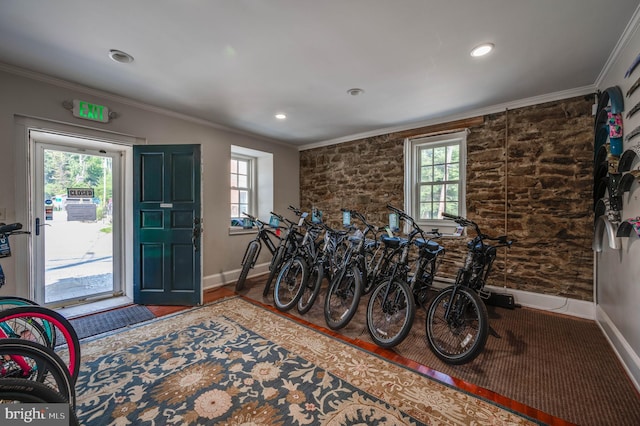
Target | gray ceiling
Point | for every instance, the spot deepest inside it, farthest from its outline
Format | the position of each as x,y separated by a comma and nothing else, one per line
236,63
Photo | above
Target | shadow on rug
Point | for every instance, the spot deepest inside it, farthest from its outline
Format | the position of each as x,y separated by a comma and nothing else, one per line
233,362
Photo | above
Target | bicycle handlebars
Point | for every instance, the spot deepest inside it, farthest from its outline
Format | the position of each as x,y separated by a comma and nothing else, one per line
416,227
502,239
12,228
363,219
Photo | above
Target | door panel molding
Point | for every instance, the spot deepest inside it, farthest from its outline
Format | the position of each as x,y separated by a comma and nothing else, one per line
166,212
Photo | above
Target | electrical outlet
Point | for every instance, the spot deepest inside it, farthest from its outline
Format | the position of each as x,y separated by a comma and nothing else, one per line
3,213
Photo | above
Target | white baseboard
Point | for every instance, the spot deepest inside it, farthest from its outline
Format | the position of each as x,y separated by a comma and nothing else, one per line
544,302
224,278
629,359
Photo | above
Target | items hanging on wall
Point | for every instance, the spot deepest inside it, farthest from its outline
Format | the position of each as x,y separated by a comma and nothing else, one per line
608,132
613,176
632,67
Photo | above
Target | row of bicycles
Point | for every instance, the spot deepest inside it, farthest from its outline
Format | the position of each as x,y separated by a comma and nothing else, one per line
396,270
39,351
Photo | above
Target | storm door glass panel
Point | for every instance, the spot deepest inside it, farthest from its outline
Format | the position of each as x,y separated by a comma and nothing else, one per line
78,247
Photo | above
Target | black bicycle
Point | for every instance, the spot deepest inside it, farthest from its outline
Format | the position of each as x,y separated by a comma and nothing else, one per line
265,236
288,246
295,272
329,254
391,308
349,281
457,320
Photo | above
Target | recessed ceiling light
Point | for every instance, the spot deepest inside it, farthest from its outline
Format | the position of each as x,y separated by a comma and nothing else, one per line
281,116
120,56
355,91
482,50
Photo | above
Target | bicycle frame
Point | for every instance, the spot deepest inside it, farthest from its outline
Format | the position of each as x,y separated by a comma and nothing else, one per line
265,236
478,260
429,253
356,251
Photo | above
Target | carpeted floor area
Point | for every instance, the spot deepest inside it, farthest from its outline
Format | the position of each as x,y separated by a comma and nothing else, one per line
236,362
558,364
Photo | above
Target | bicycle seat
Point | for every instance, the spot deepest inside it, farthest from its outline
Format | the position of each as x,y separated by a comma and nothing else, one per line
428,245
370,244
392,242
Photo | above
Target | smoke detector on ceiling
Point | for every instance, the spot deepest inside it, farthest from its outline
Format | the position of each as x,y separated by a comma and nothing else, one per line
120,56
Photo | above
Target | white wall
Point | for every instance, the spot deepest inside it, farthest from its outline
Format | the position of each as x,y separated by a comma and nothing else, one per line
617,277
40,97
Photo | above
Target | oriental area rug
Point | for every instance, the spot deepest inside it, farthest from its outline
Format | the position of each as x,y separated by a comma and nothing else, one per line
233,362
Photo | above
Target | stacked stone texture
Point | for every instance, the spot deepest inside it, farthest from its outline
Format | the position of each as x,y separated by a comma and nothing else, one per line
529,175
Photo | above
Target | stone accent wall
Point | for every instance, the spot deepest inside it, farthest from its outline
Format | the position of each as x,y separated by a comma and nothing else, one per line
529,175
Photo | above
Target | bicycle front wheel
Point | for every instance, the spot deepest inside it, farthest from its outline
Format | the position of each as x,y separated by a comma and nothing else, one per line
311,288
66,334
247,263
8,302
390,313
274,268
289,284
15,390
33,361
343,298
459,336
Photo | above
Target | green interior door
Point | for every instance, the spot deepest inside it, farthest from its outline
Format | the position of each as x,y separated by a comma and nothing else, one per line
167,264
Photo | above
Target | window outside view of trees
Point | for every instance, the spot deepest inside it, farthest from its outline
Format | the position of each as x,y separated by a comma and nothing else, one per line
438,180
240,188
78,248
65,170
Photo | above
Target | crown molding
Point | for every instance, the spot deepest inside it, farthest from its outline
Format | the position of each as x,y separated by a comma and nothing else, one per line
625,38
535,100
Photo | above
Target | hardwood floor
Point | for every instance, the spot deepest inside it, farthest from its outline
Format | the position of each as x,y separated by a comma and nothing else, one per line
224,292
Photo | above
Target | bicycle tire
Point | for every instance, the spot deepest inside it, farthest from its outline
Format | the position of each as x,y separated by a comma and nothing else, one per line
462,337
45,364
343,298
274,269
6,302
27,329
61,324
311,289
289,285
248,262
389,321
28,391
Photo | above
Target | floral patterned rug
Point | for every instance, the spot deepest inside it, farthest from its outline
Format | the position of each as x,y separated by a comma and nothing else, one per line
234,363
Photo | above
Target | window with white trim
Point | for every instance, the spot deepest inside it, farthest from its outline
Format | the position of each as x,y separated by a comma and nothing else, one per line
241,187
435,178
251,186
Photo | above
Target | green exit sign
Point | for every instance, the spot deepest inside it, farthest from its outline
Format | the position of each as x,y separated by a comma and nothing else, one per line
89,111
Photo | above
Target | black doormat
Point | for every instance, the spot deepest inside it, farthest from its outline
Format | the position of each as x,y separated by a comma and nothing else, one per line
92,325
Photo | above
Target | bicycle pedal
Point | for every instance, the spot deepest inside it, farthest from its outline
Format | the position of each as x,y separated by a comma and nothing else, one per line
484,294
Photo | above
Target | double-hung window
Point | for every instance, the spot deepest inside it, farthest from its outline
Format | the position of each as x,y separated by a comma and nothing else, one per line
251,174
435,179
241,188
